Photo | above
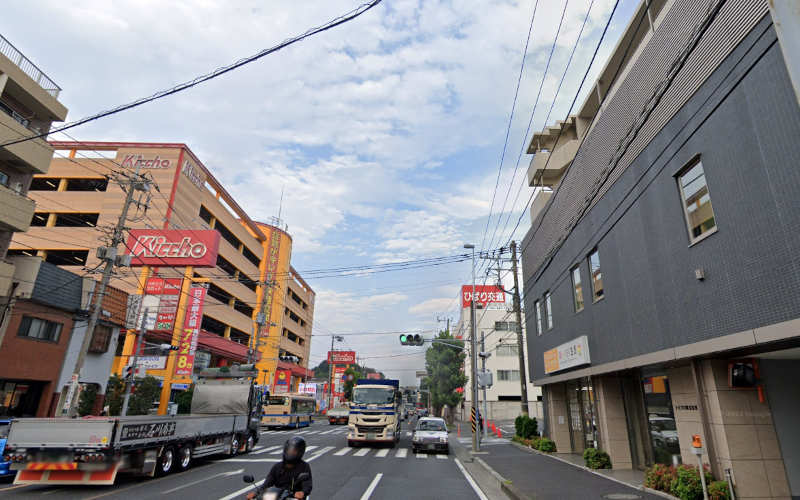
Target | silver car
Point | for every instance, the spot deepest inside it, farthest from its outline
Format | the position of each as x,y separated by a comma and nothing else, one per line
430,435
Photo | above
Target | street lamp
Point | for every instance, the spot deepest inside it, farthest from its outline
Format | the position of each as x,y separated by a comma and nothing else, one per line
476,444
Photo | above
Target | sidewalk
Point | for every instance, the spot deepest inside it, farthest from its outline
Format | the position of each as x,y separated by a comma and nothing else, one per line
538,476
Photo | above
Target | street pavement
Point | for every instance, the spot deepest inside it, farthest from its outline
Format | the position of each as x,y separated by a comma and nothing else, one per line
338,472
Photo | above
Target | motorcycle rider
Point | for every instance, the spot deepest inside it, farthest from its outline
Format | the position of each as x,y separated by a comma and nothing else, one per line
284,473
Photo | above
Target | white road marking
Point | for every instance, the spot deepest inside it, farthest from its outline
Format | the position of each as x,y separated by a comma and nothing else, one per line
469,480
382,453
251,460
246,489
265,450
229,473
361,452
401,453
422,455
320,453
311,448
372,486
442,457
343,451
328,432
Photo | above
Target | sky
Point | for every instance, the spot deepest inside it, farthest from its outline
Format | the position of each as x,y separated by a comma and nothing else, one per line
385,133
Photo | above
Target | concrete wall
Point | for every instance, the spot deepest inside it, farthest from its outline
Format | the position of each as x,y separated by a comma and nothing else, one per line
96,367
611,423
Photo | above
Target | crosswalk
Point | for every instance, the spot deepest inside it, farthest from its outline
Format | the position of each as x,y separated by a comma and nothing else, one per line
306,432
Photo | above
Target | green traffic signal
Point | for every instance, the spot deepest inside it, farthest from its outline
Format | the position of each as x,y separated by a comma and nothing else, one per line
403,339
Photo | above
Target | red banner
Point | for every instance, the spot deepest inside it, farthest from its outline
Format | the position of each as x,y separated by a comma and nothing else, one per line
341,357
165,292
374,376
338,381
484,294
191,329
283,378
173,247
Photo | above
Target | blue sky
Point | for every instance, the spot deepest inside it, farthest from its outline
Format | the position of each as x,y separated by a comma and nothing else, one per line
385,133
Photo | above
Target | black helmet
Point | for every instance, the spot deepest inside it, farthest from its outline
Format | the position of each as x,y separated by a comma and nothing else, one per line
293,450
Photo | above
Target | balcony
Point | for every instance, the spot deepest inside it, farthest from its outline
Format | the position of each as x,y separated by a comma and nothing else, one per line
556,163
33,155
6,277
18,210
27,67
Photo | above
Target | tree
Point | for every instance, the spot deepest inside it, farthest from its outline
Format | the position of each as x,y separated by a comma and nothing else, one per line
87,399
147,391
444,366
115,391
351,377
322,370
184,400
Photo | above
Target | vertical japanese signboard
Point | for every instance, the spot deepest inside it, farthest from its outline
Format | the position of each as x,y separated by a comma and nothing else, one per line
191,330
161,301
282,379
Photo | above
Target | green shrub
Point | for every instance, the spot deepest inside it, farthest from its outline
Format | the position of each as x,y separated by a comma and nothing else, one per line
718,490
686,485
596,459
86,399
659,477
518,423
546,445
535,442
526,427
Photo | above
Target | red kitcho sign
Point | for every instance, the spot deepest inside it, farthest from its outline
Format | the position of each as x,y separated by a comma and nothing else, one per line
173,247
341,357
484,294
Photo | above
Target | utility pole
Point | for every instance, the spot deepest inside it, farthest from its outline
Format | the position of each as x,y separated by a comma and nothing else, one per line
483,369
476,442
134,361
109,255
518,310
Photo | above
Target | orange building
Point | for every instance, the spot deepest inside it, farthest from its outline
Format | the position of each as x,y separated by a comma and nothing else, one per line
76,204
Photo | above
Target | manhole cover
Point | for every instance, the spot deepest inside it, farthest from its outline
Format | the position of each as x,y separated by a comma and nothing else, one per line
622,496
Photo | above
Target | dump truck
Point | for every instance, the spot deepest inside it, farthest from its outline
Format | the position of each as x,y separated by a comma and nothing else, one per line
224,420
375,411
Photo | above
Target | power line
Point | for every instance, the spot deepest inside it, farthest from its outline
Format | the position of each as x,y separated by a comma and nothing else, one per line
208,76
510,120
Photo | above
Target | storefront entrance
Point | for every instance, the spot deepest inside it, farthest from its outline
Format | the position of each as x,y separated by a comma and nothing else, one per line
20,399
582,414
660,419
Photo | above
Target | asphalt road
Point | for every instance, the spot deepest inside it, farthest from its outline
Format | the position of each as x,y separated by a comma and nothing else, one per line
338,472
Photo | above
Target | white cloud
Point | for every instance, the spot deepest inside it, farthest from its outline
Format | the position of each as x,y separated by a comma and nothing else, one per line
431,306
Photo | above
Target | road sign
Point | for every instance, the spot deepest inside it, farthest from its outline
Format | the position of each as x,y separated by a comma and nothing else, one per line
421,374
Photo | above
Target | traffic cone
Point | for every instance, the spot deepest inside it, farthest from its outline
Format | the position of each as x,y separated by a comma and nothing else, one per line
499,434
459,430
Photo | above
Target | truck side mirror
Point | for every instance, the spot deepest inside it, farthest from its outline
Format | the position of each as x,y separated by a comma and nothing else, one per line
248,479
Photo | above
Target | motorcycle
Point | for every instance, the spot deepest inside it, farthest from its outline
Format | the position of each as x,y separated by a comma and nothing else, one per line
273,493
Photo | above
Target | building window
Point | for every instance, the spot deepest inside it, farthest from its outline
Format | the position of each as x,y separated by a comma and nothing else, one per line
548,310
67,257
4,179
39,329
243,308
205,215
696,202
251,256
596,275
577,289
213,326
100,339
508,375
39,219
225,265
507,350
76,220
537,307
227,235
44,184
87,184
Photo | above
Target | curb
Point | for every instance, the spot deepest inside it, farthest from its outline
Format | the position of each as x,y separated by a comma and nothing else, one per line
486,474
505,485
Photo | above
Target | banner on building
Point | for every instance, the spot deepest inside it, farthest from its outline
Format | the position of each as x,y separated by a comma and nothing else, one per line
374,376
283,380
338,381
173,247
184,363
341,357
567,355
160,302
484,295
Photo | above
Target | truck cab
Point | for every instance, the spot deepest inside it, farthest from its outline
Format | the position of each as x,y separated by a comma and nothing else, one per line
5,465
375,412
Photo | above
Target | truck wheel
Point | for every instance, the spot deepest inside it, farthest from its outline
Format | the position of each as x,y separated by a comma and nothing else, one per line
165,461
350,444
234,445
249,444
185,457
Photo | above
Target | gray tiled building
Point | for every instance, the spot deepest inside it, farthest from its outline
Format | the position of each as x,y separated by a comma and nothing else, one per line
662,277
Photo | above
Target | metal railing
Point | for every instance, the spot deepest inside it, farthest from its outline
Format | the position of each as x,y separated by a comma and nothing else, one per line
27,66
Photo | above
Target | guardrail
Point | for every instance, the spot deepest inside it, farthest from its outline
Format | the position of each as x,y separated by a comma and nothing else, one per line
27,66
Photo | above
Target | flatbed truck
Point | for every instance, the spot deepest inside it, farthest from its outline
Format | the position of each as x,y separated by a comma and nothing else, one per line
224,420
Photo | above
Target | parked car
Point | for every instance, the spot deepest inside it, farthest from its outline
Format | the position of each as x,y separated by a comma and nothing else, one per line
5,467
338,415
430,435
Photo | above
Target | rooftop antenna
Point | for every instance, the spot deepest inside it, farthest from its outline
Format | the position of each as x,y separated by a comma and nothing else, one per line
280,205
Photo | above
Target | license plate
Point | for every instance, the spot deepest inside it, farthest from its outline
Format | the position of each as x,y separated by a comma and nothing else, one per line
431,446
370,436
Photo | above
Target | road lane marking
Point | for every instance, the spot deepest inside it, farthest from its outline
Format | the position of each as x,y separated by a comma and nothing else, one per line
422,455
343,451
401,453
361,452
221,474
470,480
382,453
251,460
265,450
15,487
328,432
320,453
442,457
372,486
311,448
238,493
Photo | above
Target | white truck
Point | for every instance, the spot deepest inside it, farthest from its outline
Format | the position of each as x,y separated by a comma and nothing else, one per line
375,412
226,411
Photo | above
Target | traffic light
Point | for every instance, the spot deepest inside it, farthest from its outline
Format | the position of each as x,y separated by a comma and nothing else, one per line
168,347
414,339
